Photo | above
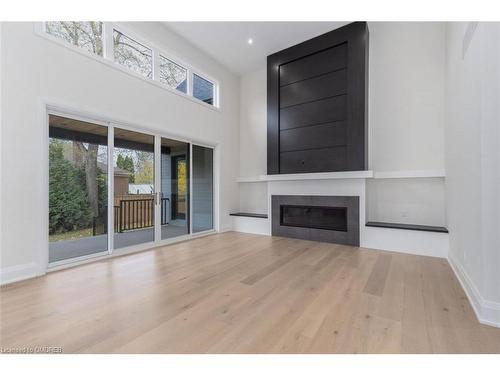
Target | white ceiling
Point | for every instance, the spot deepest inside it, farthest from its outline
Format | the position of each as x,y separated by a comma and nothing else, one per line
227,42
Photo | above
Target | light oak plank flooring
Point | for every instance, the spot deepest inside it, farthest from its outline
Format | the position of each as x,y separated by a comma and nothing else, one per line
243,293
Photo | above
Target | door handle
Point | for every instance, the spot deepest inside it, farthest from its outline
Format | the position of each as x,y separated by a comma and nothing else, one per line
159,198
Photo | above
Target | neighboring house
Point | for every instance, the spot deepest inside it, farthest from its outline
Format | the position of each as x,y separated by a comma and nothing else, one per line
202,90
140,188
121,177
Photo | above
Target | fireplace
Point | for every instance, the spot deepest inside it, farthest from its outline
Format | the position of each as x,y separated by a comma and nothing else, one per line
319,218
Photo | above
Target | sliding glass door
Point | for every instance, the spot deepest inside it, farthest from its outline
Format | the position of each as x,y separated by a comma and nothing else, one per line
174,188
78,188
112,188
203,189
134,198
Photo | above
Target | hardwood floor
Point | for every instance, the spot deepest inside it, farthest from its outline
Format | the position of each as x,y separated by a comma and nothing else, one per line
243,293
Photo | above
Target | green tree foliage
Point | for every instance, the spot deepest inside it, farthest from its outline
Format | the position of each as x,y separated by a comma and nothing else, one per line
102,184
126,163
181,177
145,171
68,203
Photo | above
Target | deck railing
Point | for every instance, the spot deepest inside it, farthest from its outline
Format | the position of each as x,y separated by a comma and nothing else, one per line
131,214
165,209
135,214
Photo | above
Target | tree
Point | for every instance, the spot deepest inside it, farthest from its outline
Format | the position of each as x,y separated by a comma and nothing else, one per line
181,177
102,187
128,52
90,158
172,74
132,54
126,163
68,204
145,171
87,35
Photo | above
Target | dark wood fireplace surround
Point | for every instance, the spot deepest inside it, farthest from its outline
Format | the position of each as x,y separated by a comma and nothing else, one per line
317,95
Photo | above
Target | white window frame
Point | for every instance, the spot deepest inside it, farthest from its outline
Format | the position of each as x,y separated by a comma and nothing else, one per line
113,28
63,109
108,59
43,30
188,78
214,87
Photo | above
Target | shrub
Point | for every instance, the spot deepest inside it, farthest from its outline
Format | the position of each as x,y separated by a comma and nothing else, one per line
68,204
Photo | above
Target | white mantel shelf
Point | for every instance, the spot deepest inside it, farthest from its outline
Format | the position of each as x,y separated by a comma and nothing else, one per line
426,173
308,176
430,173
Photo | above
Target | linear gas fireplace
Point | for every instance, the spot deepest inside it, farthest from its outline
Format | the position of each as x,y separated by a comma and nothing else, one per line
319,218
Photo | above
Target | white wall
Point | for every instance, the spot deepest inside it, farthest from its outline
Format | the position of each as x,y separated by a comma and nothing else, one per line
253,140
35,69
473,163
406,95
253,123
404,241
253,197
406,200
406,122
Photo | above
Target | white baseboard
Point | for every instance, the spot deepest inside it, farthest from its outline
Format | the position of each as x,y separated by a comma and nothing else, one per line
17,273
397,240
225,228
406,241
487,312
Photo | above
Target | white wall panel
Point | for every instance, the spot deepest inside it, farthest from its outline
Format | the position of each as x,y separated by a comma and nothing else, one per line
36,70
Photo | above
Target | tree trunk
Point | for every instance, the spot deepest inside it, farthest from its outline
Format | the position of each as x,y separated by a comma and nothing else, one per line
79,153
90,156
91,178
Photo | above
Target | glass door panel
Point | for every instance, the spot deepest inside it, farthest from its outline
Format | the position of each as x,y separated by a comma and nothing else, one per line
203,188
78,188
134,198
146,204
174,185
179,187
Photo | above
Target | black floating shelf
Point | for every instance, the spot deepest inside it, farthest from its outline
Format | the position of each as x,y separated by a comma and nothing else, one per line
425,228
247,214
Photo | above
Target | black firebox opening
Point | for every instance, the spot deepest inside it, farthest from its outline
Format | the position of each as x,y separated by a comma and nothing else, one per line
317,217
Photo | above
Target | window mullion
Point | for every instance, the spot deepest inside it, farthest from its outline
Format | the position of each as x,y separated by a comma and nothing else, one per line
108,40
216,95
156,65
190,82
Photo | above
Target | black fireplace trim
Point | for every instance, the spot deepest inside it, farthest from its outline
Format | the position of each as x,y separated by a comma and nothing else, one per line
311,226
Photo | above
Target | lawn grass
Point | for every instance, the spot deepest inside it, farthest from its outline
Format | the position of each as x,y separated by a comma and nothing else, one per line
73,235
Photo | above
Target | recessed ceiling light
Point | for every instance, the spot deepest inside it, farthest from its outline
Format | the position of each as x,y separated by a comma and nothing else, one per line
250,41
